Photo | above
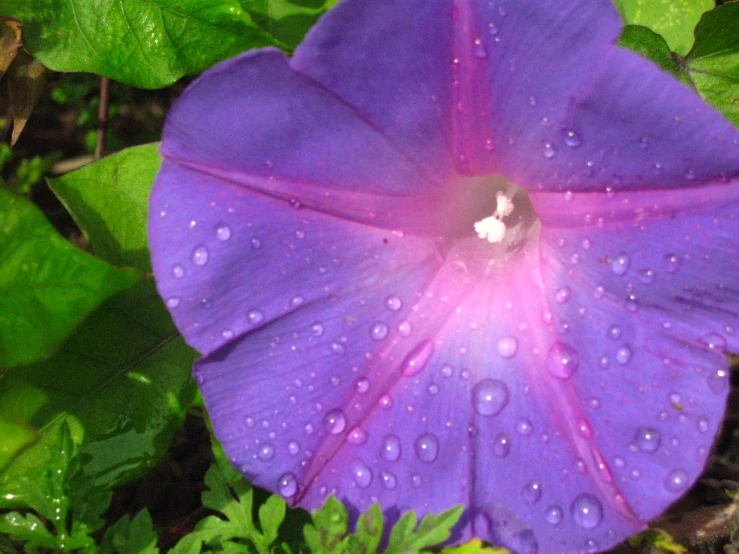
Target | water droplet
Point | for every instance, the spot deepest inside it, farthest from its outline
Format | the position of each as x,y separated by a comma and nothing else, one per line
356,436
553,515
287,485
361,474
293,448
266,452
647,439
718,381
391,449
492,29
223,232
690,174
524,427
393,303
173,301
672,263
572,139
334,421
433,389
562,360
427,447
337,348
385,402
489,397
702,425
379,330
389,480
646,276
714,342
418,358
199,255
677,480
256,244
255,317
178,272
549,150
563,295
623,354
614,332
405,329
479,49
362,385
416,480
586,511
501,445
531,492
316,329
227,334
507,347
620,264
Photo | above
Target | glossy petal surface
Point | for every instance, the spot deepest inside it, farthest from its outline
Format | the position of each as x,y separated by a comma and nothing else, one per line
317,246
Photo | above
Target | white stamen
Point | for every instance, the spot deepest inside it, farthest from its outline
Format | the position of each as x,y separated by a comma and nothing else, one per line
492,228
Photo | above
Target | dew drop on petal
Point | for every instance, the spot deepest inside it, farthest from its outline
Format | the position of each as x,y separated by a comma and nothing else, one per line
586,511
553,515
563,295
256,244
223,232
614,332
702,425
562,360
677,480
287,485
646,276
501,445
266,452
362,385
199,255
427,447
255,317
316,329
178,272
620,264
524,427
391,449
549,150
405,329
572,139
648,439
334,421
173,301
714,342
393,303
507,347
379,330
623,354
489,397
531,492
361,474
672,263
356,436
418,358
389,481
293,448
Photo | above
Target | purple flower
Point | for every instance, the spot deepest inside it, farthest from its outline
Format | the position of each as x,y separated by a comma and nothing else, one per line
457,254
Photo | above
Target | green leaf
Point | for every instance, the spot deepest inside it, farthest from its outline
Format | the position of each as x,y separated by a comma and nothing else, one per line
652,46
145,43
131,537
433,530
287,20
369,529
109,200
475,546
14,437
47,286
328,532
713,63
235,503
673,19
27,528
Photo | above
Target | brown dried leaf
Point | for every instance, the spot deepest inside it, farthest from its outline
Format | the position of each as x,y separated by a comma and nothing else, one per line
26,80
10,41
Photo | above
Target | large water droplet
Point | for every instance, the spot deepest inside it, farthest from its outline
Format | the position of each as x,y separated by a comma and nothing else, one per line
378,331
524,427
391,448
553,515
334,421
266,452
173,301
623,354
287,485
255,317
223,232
361,474
648,439
614,332
572,139
714,342
427,447
563,295
501,445
586,511
362,385
405,329
293,448
356,436
489,397
549,150
507,347
418,358
531,491
178,272
677,480
562,360
620,264
199,255
316,329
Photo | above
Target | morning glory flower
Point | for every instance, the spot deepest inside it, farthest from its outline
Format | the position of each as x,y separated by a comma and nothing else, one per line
456,253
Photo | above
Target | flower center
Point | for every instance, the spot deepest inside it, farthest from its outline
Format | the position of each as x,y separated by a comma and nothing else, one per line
492,228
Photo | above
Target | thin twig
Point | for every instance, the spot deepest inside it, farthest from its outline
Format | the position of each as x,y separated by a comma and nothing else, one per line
102,117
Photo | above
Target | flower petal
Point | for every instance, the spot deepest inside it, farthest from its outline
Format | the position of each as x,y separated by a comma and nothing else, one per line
554,105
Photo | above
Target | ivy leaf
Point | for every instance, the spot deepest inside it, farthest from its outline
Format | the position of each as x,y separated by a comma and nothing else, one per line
131,537
673,19
713,63
144,43
47,286
433,530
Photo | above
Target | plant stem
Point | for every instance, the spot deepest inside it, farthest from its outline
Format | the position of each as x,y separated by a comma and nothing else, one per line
102,117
